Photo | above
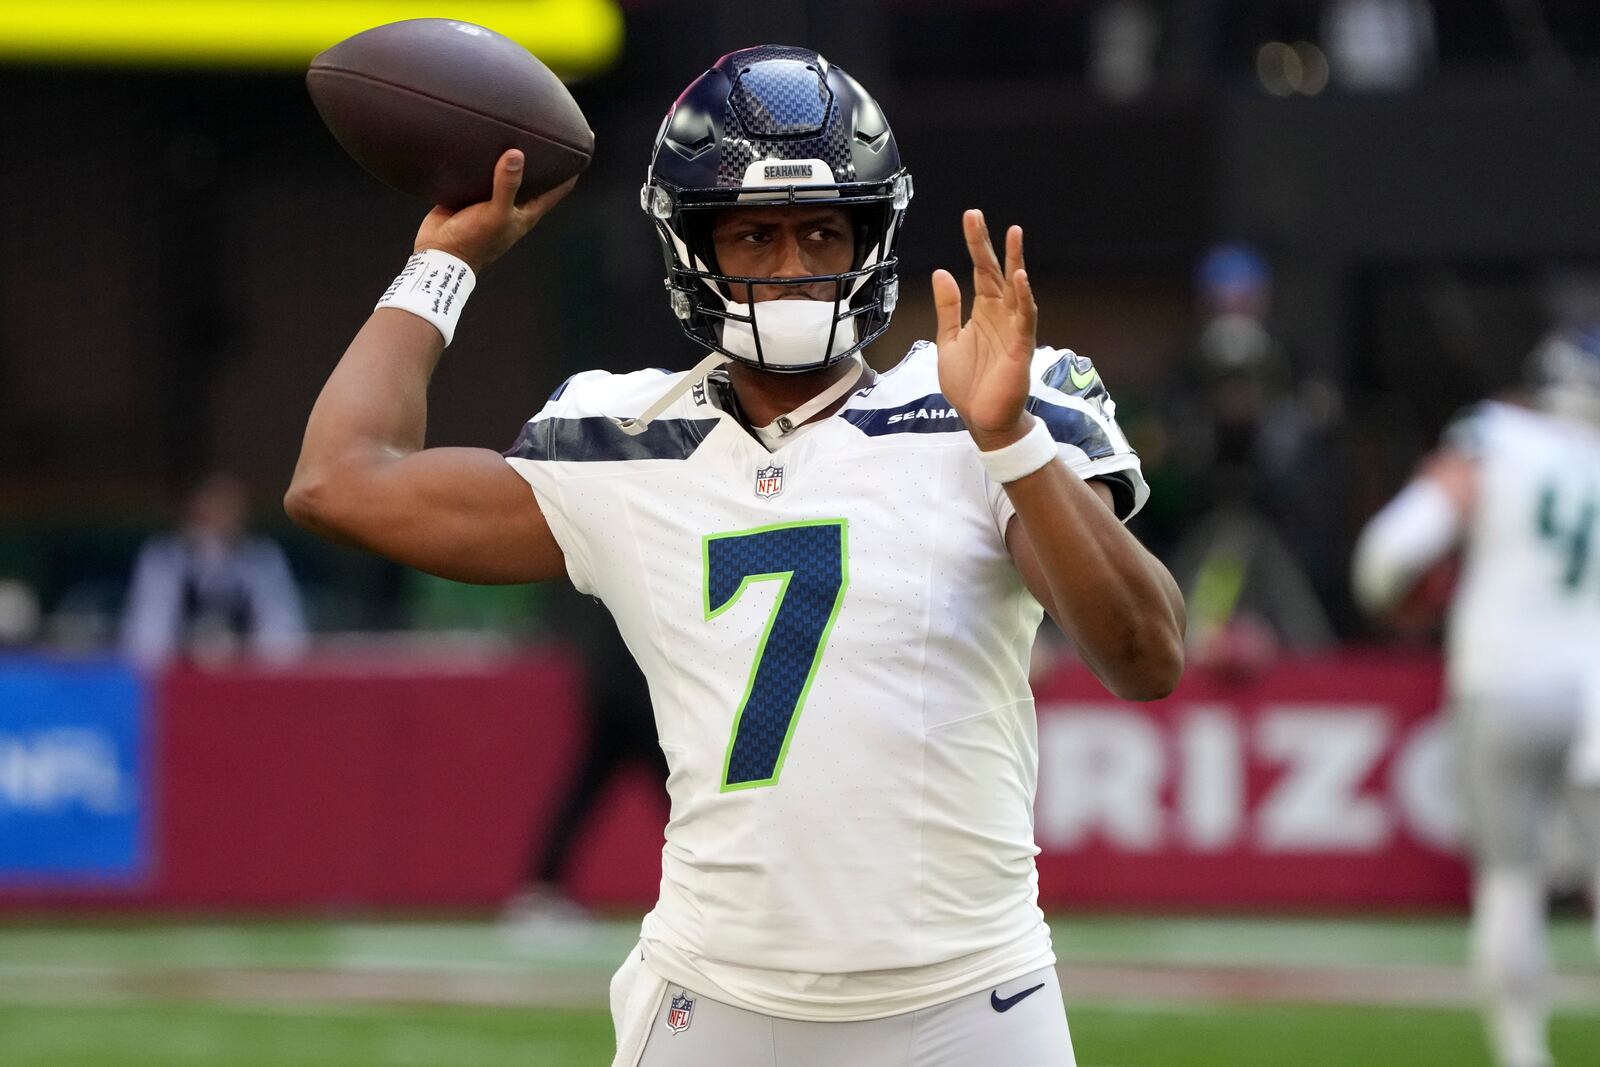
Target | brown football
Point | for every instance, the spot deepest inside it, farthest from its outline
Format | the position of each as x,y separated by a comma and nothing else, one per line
429,105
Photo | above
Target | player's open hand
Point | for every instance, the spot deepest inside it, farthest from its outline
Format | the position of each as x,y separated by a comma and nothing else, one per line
983,364
481,233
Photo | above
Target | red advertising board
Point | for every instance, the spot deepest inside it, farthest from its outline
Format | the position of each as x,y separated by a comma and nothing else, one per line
1315,783
413,784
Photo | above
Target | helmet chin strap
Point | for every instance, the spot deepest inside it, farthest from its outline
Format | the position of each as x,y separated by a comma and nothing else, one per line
635,427
786,424
772,432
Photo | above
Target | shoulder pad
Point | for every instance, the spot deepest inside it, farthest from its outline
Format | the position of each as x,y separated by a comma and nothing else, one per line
1067,372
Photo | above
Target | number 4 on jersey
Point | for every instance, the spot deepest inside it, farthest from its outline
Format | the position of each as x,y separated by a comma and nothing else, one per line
809,559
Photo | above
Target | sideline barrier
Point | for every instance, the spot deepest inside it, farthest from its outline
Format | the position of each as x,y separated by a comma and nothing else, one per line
1318,783
360,783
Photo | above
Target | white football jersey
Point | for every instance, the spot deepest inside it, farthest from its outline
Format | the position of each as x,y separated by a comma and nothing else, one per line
836,642
1526,617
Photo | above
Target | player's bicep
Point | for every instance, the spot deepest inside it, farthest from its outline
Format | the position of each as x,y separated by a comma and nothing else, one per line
459,513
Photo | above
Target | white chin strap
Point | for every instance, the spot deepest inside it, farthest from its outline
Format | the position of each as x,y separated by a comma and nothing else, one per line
784,425
635,427
793,332
772,432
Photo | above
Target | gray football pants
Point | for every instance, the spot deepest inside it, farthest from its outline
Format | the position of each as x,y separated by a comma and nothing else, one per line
1513,761
971,1031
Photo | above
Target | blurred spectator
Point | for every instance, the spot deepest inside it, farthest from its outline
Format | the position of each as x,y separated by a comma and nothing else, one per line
210,590
1124,39
1378,45
19,614
1245,429
619,734
1517,491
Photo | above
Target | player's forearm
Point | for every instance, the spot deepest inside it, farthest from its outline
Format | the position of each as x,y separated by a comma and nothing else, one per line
1415,530
373,410
1112,598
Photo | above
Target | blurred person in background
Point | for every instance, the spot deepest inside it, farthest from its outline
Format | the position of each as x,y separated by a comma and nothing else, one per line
619,734
1379,45
211,590
852,769
1245,427
1517,491
19,614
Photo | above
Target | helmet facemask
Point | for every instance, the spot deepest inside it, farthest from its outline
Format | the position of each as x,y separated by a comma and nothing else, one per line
775,127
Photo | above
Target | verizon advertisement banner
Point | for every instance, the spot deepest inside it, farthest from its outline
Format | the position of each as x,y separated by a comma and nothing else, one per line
1317,783
412,784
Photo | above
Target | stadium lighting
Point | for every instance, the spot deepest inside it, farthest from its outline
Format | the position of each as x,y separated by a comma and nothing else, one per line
572,37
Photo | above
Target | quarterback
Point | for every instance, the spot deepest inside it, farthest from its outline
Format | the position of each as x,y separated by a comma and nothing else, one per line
1517,490
830,578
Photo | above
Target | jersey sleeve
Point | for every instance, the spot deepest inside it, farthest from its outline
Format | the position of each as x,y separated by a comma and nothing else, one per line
1067,394
536,457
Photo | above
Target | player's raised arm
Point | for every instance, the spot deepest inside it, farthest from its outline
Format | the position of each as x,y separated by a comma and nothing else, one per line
364,477
1114,600
1415,530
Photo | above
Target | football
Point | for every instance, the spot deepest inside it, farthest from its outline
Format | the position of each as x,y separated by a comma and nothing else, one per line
429,105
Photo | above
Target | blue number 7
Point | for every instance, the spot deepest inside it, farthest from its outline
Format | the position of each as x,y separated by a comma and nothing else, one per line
809,559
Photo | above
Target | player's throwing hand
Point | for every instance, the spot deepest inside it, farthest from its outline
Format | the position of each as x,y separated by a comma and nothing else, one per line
983,365
479,234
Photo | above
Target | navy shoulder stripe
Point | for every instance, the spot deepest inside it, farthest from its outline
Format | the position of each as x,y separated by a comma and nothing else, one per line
596,438
930,414
1072,427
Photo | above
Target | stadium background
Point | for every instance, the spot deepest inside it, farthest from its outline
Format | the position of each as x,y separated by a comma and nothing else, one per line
227,864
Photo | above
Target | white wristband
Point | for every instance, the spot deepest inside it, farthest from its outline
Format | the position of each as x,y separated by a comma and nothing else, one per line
434,285
1021,458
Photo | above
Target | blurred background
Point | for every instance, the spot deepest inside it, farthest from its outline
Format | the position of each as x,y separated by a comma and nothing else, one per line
266,801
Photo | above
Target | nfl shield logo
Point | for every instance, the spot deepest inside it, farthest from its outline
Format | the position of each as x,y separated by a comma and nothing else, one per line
678,1014
769,481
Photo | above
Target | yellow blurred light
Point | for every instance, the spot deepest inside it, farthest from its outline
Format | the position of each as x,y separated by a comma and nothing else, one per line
1278,67
572,37
1314,68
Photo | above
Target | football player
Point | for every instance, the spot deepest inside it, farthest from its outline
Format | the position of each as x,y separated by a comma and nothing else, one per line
831,578
1517,490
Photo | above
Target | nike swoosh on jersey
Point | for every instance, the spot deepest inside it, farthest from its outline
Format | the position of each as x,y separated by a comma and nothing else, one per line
1082,381
1007,1003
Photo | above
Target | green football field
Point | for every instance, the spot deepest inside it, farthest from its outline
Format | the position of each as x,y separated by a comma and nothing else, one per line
1141,992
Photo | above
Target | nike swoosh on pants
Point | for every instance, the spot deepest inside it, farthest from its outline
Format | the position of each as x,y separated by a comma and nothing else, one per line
1006,1004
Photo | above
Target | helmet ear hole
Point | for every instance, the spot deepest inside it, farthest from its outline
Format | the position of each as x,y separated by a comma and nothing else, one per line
696,228
868,226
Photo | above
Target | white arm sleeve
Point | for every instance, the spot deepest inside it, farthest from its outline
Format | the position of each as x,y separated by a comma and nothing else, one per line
1413,531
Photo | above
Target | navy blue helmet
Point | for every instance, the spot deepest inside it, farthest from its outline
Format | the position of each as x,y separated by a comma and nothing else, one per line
773,126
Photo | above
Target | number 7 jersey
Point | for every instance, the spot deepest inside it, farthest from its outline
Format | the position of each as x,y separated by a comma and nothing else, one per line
836,642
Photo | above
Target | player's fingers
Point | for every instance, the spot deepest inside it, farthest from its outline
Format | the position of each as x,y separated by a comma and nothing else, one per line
986,277
1014,260
946,307
535,209
1025,314
507,179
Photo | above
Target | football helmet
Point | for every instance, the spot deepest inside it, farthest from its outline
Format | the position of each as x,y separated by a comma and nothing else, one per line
773,126
1564,371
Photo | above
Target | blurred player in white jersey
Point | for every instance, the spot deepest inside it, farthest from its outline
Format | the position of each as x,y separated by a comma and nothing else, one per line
831,578
1518,491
